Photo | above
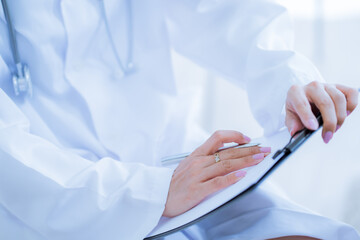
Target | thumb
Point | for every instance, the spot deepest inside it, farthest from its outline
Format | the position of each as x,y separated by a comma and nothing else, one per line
218,139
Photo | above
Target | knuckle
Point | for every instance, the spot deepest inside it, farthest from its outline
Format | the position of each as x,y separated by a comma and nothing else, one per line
226,165
218,182
339,97
295,88
248,160
228,180
315,85
301,104
324,103
230,154
254,150
353,92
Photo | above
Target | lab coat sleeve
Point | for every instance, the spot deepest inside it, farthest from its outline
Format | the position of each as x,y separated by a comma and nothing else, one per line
63,196
248,42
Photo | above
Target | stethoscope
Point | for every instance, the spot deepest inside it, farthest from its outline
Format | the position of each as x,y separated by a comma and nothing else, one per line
21,77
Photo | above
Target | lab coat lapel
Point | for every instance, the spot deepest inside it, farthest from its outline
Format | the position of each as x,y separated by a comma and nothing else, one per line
126,112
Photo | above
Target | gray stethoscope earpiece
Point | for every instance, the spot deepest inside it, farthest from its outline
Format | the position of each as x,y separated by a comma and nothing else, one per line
22,80
21,76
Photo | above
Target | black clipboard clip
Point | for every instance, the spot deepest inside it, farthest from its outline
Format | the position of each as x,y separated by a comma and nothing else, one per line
297,140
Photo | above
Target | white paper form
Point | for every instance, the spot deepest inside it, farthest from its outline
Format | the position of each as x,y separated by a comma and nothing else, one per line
276,142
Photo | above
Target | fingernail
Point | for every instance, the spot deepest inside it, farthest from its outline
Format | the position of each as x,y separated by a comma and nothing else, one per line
327,136
240,174
313,124
247,139
265,149
292,131
258,156
291,128
348,113
337,128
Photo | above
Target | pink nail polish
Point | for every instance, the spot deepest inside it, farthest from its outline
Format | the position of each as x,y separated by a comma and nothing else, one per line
348,113
247,139
258,156
313,124
337,128
292,131
291,128
327,136
265,149
240,174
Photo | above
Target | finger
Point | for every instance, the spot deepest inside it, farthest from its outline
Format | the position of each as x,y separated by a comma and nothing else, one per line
299,104
293,122
352,97
234,153
339,101
227,166
322,100
221,182
217,141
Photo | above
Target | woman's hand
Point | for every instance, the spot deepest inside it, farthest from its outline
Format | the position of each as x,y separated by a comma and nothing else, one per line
199,175
335,103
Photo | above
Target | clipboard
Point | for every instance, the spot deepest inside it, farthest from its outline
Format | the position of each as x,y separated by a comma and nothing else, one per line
279,157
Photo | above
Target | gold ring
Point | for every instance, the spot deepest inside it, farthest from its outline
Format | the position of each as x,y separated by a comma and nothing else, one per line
217,157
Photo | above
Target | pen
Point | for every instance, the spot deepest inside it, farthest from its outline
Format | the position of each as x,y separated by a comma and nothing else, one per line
177,158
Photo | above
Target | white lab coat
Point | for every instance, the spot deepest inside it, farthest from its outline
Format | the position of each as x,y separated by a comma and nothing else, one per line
80,159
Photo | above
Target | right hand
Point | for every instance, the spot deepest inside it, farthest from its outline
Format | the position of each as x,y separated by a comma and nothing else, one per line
198,175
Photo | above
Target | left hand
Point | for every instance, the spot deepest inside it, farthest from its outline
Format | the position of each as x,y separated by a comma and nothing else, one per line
199,175
335,103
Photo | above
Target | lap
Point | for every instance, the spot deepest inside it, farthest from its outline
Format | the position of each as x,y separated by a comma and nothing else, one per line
264,214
